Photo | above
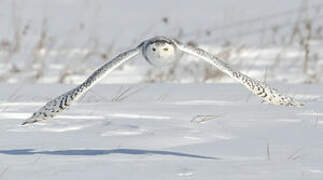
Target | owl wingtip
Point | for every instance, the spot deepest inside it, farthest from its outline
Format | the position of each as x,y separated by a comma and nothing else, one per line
29,121
24,123
296,104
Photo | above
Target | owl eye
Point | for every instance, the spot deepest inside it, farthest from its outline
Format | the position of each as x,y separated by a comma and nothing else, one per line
165,49
154,49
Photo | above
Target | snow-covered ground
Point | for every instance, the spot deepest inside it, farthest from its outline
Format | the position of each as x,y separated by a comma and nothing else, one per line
126,128
162,131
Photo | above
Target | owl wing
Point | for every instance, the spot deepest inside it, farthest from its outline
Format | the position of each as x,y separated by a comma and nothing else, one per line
62,102
258,88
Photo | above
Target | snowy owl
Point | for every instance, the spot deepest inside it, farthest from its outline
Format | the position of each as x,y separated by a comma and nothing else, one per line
159,51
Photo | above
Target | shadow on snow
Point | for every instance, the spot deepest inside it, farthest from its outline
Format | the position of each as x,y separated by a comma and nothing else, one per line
95,152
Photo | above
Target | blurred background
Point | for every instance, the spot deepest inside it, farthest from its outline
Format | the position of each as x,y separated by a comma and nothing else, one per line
63,41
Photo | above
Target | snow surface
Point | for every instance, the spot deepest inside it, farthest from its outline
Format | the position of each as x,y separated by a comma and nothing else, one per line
162,131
